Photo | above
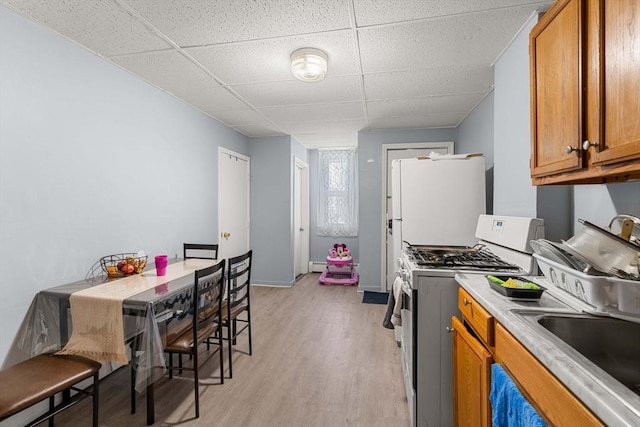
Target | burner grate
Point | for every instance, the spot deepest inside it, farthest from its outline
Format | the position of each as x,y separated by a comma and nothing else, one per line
462,258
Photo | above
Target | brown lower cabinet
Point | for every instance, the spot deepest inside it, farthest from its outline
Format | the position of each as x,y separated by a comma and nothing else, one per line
473,354
471,379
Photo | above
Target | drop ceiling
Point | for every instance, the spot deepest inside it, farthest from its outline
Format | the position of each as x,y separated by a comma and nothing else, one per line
393,64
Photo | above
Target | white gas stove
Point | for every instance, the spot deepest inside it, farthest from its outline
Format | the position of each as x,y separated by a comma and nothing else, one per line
430,300
503,247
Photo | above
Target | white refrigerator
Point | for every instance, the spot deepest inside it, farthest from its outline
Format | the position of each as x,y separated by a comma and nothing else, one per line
437,200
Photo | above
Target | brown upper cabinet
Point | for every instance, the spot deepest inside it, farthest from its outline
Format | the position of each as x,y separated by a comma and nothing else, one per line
585,92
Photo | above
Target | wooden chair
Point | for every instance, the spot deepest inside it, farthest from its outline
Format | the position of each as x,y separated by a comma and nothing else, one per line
200,250
41,377
206,311
238,301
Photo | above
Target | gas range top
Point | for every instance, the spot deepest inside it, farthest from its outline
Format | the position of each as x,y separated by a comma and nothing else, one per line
457,258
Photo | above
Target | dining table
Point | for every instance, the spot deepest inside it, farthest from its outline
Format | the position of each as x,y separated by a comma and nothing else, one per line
69,318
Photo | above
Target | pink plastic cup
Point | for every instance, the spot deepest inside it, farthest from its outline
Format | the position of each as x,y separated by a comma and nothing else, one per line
161,264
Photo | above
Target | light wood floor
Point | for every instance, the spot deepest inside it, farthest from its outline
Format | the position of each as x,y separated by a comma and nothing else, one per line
320,358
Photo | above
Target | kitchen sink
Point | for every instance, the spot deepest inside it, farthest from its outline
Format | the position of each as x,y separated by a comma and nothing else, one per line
611,344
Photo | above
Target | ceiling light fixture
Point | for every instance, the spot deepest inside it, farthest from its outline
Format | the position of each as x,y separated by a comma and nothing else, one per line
309,64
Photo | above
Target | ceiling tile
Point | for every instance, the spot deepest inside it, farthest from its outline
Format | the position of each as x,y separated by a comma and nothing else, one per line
169,70
258,130
241,118
320,112
100,25
328,139
432,81
468,39
374,12
337,89
201,22
210,98
296,128
458,104
270,60
435,120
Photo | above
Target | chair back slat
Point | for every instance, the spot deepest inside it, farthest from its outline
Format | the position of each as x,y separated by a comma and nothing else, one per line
208,291
237,310
239,278
200,250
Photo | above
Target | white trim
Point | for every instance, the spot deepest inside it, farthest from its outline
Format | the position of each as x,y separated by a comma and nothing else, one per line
305,238
229,152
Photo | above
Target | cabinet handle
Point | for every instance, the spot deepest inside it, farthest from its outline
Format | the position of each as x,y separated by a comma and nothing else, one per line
450,330
466,301
569,149
586,144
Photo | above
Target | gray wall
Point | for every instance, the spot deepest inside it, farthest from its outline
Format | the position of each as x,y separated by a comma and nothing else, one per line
370,206
272,210
513,192
298,151
598,204
93,161
475,134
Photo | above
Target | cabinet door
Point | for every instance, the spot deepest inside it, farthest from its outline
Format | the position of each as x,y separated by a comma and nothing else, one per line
556,97
471,379
614,81
553,401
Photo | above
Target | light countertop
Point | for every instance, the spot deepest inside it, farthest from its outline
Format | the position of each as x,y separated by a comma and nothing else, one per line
606,397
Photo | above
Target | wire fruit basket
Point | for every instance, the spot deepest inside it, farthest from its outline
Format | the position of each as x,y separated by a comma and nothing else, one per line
124,264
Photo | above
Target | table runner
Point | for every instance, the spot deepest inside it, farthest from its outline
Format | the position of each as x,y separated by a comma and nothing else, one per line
96,312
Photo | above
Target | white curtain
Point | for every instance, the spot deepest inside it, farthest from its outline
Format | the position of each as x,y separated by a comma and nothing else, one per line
337,193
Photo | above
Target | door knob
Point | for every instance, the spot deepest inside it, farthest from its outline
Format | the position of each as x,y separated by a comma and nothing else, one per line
226,235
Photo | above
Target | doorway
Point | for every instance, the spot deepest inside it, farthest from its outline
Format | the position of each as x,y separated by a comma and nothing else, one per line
391,152
301,219
233,203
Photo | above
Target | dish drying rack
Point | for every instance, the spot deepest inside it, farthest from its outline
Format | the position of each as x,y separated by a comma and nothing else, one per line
606,294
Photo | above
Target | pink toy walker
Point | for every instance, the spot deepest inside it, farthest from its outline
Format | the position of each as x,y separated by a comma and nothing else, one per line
340,269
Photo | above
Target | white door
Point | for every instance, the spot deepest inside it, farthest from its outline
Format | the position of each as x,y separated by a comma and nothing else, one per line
301,219
390,153
233,203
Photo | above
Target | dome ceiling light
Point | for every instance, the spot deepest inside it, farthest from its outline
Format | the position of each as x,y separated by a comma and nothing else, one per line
309,64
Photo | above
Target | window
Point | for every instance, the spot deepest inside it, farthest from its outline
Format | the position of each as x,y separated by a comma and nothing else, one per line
337,193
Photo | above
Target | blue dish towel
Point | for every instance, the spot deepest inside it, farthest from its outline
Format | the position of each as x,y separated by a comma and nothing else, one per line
509,407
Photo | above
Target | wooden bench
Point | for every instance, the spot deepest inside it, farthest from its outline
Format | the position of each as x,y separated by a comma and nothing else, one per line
42,377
